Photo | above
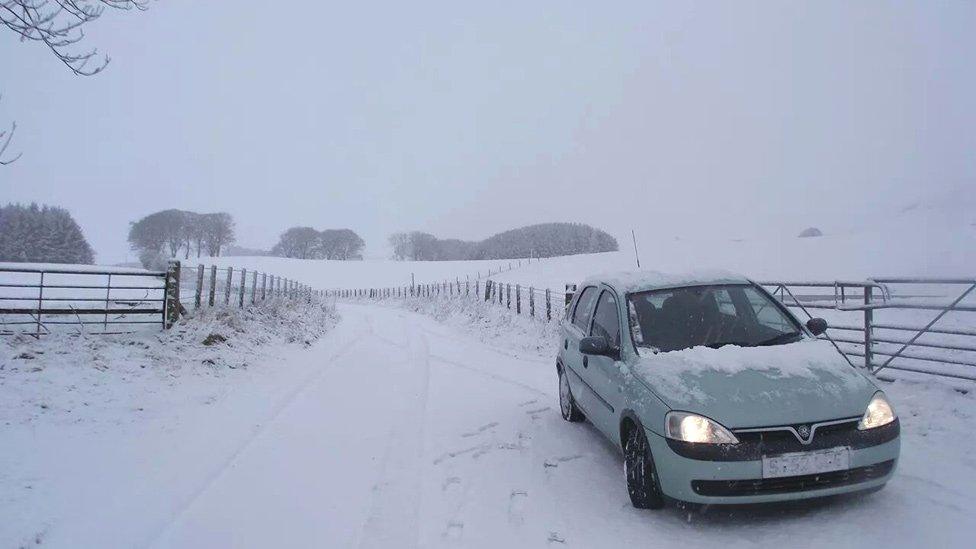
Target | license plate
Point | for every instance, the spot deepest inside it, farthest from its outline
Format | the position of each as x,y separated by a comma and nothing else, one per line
806,463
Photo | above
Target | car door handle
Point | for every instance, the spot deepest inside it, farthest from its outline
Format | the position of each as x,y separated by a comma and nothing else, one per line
586,362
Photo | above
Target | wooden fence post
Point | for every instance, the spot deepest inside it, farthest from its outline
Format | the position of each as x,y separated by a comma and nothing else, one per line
487,290
531,301
548,306
240,293
198,295
172,305
254,288
518,299
213,285
230,282
508,296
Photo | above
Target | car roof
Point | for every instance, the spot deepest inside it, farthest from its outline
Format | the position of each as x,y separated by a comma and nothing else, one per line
625,282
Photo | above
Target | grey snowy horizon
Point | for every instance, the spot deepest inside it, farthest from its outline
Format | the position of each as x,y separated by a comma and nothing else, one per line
737,119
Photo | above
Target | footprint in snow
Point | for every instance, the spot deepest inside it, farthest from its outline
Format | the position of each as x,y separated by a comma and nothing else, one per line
477,450
528,402
480,430
516,506
450,481
554,537
564,459
455,528
521,443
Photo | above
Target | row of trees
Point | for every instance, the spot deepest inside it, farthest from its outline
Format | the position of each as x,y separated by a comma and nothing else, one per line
169,232
41,234
309,243
542,240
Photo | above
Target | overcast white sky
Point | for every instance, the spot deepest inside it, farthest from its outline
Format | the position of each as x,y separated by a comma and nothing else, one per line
464,119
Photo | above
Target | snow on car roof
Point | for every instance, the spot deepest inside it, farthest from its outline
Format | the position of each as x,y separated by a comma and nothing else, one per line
635,281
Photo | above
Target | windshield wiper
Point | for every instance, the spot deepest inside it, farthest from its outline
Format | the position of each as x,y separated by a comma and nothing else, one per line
781,338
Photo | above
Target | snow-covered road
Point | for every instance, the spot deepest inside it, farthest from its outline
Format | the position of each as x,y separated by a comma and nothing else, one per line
402,432
414,435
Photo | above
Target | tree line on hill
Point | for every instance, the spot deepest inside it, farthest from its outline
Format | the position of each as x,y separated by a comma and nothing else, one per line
542,240
41,234
309,243
169,232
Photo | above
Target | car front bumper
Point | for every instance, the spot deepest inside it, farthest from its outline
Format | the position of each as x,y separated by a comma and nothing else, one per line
741,482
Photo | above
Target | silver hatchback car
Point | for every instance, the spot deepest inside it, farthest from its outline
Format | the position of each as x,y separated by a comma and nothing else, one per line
716,393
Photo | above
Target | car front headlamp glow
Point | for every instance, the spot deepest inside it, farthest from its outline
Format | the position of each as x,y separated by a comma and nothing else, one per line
688,427
878,414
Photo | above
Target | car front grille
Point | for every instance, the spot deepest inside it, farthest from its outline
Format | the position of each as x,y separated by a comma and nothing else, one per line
771,441
785,485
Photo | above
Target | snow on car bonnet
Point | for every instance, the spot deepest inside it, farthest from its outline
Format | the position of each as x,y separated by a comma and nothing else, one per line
678,375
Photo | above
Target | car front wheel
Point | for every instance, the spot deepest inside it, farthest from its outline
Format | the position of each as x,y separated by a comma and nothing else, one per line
567,404
642,481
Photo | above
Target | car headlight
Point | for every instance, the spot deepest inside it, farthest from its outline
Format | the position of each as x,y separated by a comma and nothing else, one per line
694,428
878,414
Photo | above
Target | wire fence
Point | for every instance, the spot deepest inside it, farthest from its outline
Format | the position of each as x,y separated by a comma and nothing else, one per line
915,325
544,304
40,300
213,286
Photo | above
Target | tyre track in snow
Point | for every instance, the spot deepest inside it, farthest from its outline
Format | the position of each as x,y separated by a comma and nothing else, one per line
393,519
300,389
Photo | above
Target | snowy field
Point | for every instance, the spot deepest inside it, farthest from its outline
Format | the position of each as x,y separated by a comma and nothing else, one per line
437,428
924,240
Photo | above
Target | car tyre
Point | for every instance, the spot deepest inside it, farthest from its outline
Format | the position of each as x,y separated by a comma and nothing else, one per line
642,480
567,403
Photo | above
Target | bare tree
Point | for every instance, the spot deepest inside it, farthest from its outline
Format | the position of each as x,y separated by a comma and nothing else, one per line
400,242
59,24
298,242
218,232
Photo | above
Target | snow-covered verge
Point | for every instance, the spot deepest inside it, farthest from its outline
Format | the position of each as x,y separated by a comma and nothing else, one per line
492,324
65,390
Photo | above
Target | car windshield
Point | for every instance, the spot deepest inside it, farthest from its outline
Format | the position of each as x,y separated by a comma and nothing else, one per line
712,316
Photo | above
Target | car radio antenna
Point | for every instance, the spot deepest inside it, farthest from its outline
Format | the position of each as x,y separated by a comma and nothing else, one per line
633,236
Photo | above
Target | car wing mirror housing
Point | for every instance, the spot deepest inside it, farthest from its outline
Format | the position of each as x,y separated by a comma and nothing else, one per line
595,345
817,326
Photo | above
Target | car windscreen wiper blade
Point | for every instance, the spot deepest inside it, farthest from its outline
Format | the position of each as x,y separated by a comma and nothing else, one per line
781,338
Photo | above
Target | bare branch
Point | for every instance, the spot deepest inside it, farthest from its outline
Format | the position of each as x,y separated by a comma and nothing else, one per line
5,137
59,25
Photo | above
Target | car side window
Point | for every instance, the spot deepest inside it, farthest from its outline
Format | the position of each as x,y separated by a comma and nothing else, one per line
581,314
605,320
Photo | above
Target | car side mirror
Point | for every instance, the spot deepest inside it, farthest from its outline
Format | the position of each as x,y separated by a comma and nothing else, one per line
595,345
817,326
